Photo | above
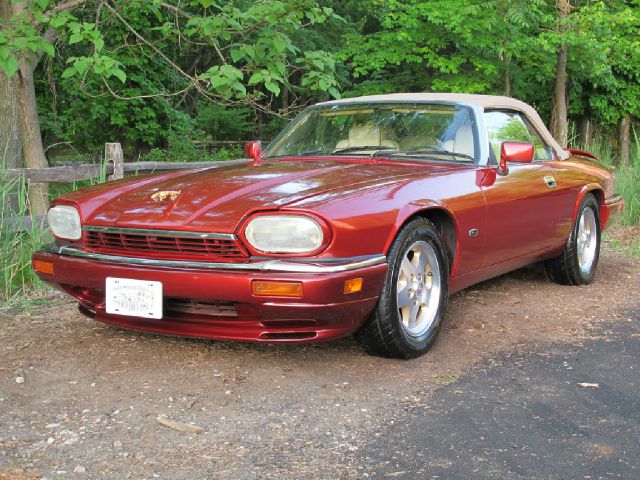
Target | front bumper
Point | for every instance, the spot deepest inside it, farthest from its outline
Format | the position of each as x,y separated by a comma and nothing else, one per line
218,297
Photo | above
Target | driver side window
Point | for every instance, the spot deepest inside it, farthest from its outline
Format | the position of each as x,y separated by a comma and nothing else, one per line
510,126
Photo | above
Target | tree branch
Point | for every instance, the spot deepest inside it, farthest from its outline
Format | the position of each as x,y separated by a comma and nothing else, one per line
177,10
68,5
137,97
146,42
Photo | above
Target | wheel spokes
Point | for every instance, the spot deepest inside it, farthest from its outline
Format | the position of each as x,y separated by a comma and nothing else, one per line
403,297
418,288
413,315
587,239
423,263
409,269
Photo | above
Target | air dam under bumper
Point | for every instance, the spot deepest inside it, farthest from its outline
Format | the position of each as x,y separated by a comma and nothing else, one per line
219,303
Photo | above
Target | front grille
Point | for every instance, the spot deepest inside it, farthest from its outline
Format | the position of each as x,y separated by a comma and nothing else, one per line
162,245
216,309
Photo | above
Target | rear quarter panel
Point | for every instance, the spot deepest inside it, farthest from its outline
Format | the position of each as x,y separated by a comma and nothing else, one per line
583,176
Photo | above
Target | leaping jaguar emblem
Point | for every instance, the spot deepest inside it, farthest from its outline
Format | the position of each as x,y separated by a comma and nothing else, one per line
165,195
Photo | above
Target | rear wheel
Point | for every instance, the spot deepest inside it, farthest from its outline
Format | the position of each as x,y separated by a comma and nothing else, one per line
578,262
409,313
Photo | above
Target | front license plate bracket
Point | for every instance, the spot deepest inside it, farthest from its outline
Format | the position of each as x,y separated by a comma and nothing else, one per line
133,298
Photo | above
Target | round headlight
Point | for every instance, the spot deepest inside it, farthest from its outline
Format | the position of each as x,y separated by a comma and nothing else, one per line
64,222
284,234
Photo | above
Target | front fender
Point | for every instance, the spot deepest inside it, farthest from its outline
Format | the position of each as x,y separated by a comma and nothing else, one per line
440,215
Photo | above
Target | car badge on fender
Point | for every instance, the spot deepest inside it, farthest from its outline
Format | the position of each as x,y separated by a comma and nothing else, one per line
165,195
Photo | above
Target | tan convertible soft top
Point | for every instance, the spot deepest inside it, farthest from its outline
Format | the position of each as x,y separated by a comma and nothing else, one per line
484,101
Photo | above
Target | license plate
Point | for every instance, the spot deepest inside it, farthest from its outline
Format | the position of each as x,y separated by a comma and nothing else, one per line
135,298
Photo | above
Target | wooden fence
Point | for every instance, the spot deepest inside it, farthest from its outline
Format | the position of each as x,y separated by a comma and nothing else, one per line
114,168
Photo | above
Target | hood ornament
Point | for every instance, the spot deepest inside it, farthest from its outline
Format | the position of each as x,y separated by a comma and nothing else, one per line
163,195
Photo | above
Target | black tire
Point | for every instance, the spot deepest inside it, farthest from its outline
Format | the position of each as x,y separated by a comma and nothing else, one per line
565,269
384,333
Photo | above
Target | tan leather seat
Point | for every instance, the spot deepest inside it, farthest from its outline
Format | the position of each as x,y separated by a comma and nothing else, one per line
367,136
414,142
462,142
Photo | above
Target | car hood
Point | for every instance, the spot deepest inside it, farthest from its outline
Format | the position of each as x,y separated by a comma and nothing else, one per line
219,198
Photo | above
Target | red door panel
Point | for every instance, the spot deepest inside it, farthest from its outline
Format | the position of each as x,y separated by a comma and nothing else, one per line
522,213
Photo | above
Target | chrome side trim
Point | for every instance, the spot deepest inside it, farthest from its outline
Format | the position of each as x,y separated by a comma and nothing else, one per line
160,233
273,265
613,199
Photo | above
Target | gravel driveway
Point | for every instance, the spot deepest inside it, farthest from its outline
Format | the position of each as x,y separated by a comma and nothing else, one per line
79,399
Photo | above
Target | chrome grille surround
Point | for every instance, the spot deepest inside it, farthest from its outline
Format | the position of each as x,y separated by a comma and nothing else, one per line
167,244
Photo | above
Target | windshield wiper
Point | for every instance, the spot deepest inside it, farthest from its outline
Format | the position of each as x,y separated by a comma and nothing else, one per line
433,151
375,148
312,152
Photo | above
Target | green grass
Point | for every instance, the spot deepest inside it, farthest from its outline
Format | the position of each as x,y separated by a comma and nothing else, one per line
16,245
624,236
627,176
628,185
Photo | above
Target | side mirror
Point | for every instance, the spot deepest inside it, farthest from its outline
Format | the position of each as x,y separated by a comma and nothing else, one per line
516,152
253,150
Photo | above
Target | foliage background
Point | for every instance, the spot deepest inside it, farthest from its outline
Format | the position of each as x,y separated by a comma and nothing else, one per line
238,69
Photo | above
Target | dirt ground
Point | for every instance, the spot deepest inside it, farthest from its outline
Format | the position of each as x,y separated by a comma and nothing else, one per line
79,399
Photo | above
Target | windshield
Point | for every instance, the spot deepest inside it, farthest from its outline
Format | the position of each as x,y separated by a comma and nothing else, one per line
445,132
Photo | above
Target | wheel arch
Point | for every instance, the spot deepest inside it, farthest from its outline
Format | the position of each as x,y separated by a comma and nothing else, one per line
444,221
597,191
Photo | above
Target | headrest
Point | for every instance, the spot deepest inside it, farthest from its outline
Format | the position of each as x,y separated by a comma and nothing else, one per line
464,140
364,135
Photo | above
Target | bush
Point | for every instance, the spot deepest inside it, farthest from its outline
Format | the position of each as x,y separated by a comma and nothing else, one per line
225,123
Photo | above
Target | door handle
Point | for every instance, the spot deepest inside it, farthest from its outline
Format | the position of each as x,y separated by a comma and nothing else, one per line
550,181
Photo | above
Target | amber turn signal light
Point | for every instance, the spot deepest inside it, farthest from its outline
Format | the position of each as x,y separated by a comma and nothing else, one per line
352,285
41,266
276,289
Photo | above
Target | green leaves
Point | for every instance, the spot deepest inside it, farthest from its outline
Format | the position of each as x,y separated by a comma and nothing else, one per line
69,72
256,78
206,3
225,79
9,66
102,65
119,74
319,67
75,38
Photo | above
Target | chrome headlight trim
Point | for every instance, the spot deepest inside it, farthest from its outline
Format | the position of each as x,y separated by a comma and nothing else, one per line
284,234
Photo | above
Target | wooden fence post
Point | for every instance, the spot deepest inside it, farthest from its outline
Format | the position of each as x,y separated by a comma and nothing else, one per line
113,154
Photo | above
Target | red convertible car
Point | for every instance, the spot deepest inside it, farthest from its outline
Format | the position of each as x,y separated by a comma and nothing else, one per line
362,216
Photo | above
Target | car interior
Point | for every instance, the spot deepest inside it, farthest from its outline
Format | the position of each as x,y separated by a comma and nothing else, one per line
369,135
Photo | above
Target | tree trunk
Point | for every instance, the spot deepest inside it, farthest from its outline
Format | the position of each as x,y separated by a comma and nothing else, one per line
10,147
507,81
586,130
285,98
559,121
506,72
625,139
32,149
559,115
